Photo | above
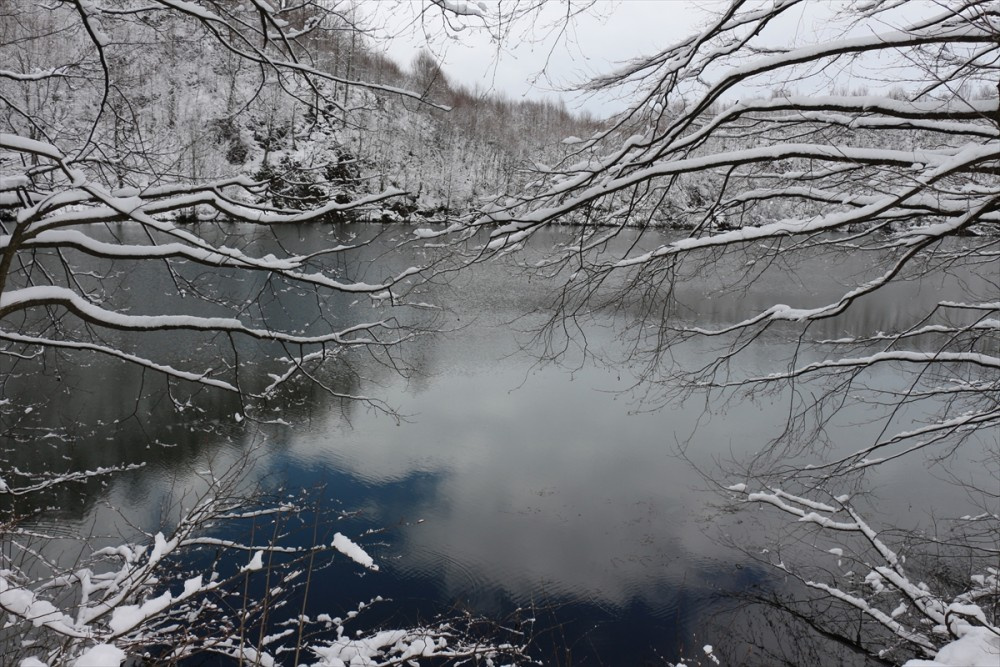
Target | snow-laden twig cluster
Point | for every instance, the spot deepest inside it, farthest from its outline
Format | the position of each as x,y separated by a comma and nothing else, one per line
872,577
159,598
68,217
742,164
787,182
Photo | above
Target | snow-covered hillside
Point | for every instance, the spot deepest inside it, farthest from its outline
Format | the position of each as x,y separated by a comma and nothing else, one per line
183,107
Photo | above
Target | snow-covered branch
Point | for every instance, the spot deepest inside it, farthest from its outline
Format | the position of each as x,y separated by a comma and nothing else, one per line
691,192
871,577
67,218
752,193
157,598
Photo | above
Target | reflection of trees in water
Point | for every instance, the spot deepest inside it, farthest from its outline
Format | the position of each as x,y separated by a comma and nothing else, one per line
74,410
104,413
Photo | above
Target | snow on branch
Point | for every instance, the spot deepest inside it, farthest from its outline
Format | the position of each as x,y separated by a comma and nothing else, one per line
155,598
36,75
462,8
690,187
37,482
30,297
885,576
67,220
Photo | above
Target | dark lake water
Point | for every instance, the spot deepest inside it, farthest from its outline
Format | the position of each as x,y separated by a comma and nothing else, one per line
508,484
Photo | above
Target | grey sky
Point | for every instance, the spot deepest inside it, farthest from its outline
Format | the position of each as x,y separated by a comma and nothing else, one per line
538,59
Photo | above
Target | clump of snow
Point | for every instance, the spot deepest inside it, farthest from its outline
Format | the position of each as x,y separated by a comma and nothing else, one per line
256,563
874,579
462,8
160,547
23,602
102,655
977,647
839,553
127,617
345,546
360,651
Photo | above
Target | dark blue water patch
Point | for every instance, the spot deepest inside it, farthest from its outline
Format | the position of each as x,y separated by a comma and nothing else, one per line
661,620
575,631
333,502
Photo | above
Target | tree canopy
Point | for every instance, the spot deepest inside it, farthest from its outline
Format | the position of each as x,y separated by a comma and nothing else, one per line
908,176
767,161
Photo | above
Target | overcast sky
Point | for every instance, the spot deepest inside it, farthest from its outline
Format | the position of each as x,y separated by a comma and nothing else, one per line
537,59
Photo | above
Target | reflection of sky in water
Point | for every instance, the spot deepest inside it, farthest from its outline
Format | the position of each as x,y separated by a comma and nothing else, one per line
546,486
539,485
530,483
547,494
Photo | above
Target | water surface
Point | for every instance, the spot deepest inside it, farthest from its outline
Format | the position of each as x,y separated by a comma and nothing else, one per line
508,483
